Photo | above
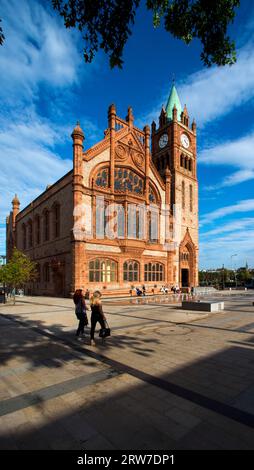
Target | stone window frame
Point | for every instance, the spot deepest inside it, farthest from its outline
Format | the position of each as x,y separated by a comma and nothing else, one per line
154,272
130,272
99,273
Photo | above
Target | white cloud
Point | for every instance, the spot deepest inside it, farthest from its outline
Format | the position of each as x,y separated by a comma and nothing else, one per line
39,59
246,205
219,250
29,161
37,49
238,153
233,226
212,93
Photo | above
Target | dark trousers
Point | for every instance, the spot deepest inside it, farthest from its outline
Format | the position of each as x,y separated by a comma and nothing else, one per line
81,326
94,319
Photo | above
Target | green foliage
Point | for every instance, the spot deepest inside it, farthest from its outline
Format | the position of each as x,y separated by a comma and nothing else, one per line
19,270
206,20
106,24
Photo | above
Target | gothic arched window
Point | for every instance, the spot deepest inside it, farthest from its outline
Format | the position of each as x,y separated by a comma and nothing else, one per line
153,224
154,272
30,233
131,271
102,178
24,236
56,220
37,229
127,180
102,270
46,225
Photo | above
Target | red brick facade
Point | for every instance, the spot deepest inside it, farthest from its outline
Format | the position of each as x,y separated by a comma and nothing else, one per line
122,217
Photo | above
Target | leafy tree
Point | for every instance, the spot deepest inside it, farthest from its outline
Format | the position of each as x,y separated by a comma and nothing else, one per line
106,24
19,270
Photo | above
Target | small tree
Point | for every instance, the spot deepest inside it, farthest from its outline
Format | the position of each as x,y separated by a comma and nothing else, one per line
19,270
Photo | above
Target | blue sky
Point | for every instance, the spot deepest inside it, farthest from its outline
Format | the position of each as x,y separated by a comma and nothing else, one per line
45,87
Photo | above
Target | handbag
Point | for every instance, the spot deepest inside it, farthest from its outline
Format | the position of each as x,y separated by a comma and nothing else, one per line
104,332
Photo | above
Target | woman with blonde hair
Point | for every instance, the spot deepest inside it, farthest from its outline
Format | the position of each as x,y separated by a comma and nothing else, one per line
97,314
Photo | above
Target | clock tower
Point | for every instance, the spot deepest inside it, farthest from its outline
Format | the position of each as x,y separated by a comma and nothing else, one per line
174,149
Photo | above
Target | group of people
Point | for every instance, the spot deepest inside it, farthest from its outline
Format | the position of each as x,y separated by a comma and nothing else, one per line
176,289
140,292
97,314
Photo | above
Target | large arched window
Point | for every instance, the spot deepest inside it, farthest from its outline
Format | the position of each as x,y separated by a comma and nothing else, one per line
102,270
154,272
30,233
37,229
56,220
120,221
46,225
24,236
153,224
127,180
136,221
131,271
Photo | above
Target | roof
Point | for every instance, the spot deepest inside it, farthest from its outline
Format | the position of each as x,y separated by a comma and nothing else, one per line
173,100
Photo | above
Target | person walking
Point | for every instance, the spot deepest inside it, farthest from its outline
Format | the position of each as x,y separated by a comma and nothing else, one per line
87,294
80,310
97,314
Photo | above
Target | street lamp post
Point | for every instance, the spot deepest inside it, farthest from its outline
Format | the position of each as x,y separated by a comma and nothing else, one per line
223,277
233,269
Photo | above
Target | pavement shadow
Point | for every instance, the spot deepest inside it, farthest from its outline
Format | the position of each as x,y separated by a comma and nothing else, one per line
28,339
205,404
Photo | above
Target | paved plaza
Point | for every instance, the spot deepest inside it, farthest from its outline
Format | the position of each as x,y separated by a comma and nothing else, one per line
166,378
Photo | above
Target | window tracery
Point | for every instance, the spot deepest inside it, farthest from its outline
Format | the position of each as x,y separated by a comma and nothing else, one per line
101,178
127,180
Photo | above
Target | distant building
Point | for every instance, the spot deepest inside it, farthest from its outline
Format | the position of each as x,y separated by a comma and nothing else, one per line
109,223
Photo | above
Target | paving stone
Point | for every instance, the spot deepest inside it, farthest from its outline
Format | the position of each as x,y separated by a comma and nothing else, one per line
126,411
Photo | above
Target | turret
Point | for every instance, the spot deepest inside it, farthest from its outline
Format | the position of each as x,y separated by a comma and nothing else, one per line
185,116
130,117
15,209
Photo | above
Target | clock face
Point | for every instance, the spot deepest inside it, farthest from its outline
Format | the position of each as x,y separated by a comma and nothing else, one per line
163,141
185,141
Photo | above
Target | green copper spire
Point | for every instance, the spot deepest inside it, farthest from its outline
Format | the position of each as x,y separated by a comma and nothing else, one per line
173,100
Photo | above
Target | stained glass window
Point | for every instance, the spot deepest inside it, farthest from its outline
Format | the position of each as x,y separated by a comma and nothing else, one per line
152,197
101,178
127,180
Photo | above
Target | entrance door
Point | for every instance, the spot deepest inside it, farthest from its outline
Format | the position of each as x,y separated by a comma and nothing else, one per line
185,278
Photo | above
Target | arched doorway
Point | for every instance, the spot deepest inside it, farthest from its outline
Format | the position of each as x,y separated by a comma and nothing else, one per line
185,276
187,262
